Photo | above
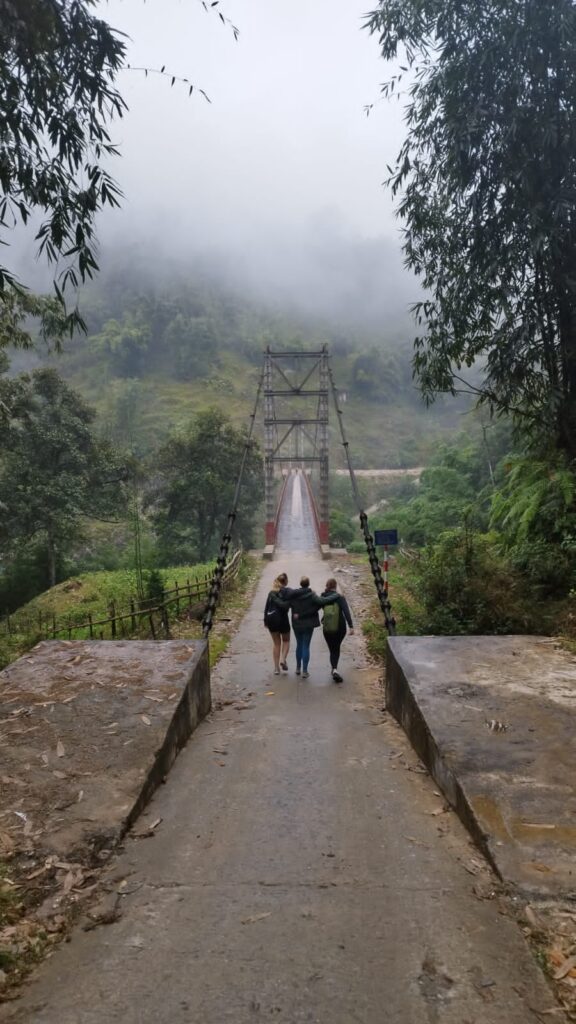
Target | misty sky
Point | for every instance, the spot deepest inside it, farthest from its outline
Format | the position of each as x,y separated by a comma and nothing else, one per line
284,146
282,173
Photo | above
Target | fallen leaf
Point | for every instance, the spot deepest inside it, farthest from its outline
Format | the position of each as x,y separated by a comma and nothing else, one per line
256,917
6,842
28,827
80,795
269,693
565,968
35,874
45,758
417,842
60,749
60,775
145,719
68,883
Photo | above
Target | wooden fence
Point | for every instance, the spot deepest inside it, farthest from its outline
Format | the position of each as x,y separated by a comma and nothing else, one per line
150,616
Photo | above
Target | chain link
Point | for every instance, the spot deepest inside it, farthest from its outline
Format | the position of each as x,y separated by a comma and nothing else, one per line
383,598
218,575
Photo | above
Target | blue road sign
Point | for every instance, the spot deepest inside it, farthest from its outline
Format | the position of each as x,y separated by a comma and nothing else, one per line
382,538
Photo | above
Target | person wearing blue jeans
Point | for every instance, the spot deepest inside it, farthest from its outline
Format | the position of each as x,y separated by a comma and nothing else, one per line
305,619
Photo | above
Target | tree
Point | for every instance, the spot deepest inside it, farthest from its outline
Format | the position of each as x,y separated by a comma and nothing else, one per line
57,80
53,472
197,472
487,175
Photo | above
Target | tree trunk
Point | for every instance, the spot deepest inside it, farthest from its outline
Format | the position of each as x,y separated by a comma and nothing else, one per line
51,551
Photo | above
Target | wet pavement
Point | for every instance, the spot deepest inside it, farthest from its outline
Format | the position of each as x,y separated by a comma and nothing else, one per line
296,528
304,870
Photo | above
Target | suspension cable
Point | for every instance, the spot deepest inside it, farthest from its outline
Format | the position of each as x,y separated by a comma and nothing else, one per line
383,599
218,575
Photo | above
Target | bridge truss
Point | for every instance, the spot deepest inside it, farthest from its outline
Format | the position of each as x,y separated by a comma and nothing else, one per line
296,439
296,396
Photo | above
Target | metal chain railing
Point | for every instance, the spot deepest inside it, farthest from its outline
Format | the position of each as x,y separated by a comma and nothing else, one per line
381,590
218,575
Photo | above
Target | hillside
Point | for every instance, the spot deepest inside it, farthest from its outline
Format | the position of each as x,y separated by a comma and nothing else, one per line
157,352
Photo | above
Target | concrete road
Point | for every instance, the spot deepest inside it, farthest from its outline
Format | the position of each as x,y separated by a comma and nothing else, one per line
303,872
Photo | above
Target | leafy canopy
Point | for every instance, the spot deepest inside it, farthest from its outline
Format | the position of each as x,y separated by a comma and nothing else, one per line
58,64
197,472
53,472
487,179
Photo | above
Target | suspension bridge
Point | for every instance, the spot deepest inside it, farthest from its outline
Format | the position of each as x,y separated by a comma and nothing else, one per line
295,388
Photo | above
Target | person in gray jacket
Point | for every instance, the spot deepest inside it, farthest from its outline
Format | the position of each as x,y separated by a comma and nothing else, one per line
305,619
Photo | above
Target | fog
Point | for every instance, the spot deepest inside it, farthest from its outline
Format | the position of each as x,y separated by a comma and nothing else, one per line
276,184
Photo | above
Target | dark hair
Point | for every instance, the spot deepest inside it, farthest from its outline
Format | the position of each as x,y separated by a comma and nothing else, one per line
304,582
331,584
282,578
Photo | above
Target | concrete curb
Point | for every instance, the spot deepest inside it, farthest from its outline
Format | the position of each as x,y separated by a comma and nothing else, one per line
403,704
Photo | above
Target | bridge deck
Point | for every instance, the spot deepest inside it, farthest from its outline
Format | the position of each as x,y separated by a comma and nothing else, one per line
301,872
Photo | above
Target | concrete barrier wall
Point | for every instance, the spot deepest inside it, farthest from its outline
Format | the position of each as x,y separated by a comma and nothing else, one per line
193,706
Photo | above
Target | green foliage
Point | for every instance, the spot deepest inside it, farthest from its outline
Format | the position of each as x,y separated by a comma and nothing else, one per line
197,472
57,78
487,178
342,532
463,584
457,487
126,342
535,509
53,471
154,587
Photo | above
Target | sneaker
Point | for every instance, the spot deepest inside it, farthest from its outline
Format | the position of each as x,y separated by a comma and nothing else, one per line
284,666
305,675
337,677
297,671
276,671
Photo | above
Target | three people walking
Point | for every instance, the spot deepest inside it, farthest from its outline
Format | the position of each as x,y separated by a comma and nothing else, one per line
305,605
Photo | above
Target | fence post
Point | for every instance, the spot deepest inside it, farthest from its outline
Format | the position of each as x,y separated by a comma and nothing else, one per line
152,630
53,627
90,625
177,598
133,616
69,629
165,621
112,613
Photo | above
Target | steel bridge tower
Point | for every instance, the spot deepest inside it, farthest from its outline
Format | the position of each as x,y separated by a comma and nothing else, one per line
296,439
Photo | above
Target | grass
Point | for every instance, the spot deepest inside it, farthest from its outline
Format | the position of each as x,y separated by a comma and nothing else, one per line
74,600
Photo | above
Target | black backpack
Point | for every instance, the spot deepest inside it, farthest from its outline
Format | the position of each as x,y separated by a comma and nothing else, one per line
273,618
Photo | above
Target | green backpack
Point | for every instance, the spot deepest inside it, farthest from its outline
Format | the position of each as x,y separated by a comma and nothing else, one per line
331,619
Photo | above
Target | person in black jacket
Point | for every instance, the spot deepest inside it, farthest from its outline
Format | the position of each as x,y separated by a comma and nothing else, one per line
277,622
305,604
334,627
